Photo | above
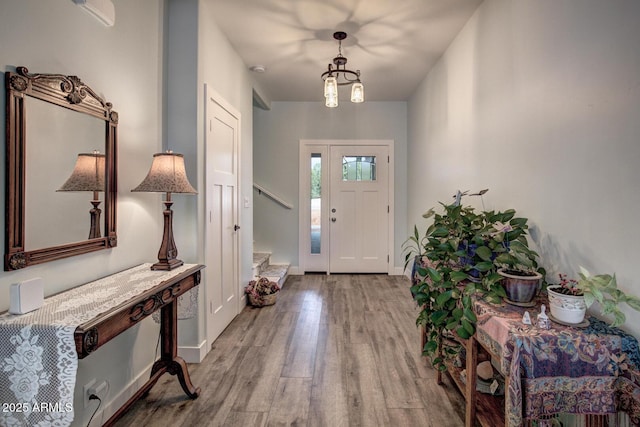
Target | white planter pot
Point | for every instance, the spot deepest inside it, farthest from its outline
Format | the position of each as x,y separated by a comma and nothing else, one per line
566,308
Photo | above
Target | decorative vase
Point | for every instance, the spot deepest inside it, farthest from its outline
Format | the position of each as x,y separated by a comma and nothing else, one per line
566,308
520,287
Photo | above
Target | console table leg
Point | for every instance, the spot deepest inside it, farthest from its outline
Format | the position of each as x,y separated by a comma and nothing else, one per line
179,367
169,359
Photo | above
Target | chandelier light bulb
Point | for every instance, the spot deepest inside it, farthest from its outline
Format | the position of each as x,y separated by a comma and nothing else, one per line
357,92
330,87
331,101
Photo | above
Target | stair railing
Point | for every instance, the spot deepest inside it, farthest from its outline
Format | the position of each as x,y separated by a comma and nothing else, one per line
272,196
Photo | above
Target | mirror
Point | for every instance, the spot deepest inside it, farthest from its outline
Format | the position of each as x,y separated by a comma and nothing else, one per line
61,169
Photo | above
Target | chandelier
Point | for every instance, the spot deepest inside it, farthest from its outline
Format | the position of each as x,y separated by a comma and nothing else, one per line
341,76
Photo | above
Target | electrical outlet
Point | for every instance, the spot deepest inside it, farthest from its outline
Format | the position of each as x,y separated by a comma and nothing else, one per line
86,391
100,389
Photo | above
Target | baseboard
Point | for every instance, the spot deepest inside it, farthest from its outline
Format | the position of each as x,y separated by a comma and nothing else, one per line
194,354
295,271
400,271
394,271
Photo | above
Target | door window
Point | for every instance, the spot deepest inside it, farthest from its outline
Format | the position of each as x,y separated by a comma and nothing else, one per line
358,168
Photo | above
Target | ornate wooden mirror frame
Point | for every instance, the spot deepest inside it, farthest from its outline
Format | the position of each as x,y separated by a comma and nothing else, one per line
71,93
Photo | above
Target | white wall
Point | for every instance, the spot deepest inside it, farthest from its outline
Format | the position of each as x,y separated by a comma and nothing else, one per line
277,135
540,102
124,65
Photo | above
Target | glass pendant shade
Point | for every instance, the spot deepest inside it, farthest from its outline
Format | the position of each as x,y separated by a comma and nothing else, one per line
357,92
331,87
331,101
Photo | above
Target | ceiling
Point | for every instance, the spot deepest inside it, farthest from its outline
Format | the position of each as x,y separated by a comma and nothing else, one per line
394,43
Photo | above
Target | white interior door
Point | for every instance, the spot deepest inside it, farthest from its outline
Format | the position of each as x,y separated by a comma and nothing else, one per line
359,209
221,243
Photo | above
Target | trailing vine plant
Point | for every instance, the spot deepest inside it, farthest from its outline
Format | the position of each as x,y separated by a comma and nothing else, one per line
454,262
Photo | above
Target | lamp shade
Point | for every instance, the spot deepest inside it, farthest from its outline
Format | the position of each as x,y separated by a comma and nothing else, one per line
87,175
167,175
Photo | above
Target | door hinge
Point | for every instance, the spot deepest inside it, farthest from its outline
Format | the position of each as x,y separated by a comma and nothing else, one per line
388,157
388,209
387,259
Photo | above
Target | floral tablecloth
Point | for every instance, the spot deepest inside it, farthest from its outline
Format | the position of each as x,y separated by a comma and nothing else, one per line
561,370
38,358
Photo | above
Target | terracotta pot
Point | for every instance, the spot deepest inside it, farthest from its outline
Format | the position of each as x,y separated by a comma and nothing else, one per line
520,288
566,308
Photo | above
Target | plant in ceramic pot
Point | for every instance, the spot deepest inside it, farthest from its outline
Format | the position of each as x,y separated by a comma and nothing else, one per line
518,266
520,277
569,299
566,301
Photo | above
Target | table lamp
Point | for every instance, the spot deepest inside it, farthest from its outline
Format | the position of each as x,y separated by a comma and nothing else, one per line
88,175
167,175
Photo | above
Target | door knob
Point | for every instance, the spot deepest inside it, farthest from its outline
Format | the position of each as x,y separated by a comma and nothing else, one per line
333,219
236,227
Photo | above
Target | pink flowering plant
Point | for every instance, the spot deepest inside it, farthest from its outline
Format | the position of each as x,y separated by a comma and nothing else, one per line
568,286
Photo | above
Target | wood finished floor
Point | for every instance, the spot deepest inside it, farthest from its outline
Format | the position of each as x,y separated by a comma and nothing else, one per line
338,350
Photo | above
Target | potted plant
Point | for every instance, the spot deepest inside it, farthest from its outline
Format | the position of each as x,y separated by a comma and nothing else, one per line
262,292
569,299
566,301
518,266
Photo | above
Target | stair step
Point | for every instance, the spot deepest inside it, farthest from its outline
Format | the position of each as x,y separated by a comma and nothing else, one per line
260,262
276,273
262,267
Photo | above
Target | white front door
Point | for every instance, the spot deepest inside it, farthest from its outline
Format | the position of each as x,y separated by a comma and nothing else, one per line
221,242
359,209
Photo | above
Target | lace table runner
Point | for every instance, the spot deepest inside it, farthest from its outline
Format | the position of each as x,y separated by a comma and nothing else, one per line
38,358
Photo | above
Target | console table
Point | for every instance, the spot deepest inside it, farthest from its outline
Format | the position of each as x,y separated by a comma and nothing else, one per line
39,363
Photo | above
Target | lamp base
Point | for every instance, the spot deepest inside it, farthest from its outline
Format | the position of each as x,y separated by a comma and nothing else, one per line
167,265
168,252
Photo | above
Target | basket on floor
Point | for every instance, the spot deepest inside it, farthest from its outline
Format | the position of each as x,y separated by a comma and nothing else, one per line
262,292
262,300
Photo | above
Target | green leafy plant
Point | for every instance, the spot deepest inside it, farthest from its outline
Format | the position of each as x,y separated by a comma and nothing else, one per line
442,277
456,260
603,288
514,254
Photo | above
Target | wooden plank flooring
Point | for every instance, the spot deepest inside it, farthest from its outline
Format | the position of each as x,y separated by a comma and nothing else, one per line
338,350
